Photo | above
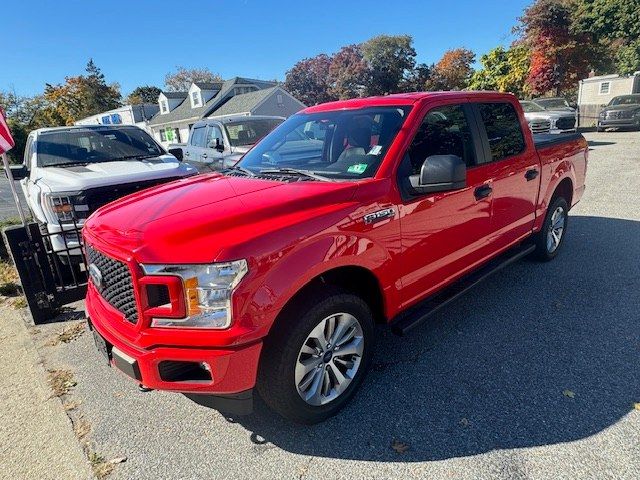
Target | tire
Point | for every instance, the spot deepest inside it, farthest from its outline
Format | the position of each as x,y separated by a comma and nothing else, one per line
547,243
283,378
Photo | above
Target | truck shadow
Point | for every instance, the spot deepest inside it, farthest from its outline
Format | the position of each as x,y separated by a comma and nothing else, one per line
540,354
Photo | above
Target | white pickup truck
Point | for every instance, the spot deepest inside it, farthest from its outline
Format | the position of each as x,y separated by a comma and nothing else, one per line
69,172
218,143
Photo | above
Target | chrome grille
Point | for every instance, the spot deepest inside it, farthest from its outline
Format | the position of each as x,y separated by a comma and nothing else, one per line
116,285
618,114
540,126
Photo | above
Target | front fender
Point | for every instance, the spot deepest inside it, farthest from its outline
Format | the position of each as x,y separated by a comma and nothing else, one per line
279,279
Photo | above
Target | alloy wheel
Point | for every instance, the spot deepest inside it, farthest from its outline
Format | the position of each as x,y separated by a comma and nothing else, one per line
556,229
329,359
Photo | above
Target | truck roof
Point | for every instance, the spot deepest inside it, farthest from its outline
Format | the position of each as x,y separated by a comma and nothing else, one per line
402,99
80,127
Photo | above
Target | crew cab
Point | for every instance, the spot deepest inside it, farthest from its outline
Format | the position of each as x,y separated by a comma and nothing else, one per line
271,275
69,172
217,143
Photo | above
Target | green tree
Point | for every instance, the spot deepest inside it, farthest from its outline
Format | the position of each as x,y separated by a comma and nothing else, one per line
143,94
391,60
97,96
615,25
23,115
504,70
309,80
182,78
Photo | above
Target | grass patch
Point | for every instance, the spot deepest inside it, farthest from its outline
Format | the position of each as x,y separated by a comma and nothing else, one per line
61,381
101,467
81,428
70,405
67,334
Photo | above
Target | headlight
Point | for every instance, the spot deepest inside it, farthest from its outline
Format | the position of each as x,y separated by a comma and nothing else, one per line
66,206
603,114
207,292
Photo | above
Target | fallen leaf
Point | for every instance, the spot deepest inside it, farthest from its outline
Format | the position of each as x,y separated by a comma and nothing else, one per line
569,393
118,460
636,405
399,447
464,422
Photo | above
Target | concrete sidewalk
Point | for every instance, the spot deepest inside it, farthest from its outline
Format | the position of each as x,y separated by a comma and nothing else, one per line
36,436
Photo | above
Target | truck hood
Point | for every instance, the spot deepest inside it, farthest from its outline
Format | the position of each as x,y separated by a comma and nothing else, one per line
549,115
217,218
621,108
82,177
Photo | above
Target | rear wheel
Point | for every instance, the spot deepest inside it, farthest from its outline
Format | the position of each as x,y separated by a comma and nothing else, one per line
550,238
316,357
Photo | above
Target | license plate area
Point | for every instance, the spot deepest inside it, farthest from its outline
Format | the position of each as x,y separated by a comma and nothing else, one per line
103,347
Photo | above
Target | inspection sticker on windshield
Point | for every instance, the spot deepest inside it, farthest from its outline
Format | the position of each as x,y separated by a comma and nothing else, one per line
357,168
375,150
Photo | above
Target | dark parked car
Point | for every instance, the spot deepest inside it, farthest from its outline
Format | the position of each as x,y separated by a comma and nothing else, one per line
622,111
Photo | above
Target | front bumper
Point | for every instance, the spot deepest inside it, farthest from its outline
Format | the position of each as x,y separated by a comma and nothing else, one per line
227,372
620,123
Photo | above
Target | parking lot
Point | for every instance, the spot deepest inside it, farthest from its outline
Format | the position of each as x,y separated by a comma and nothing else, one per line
534,374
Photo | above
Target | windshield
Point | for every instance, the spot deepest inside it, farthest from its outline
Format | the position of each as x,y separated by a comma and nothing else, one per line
345,144
625,100
69,147
552,103
530,107
247,132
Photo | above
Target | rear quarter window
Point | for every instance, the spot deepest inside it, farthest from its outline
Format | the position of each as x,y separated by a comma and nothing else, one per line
502,124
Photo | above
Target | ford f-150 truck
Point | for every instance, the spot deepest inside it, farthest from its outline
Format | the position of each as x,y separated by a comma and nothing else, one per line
271,275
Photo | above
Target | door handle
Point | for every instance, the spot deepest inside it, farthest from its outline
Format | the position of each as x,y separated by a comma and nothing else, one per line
482,192
531,174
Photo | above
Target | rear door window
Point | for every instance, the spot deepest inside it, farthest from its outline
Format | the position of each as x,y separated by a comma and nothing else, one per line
502,125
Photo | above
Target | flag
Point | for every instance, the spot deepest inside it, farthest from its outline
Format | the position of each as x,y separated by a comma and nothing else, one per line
6,140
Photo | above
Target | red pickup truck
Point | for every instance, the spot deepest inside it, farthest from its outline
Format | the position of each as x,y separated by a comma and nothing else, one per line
272,275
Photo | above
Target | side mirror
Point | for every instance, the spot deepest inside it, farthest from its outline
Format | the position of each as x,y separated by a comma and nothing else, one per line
217,144
440,173
177,152
18,171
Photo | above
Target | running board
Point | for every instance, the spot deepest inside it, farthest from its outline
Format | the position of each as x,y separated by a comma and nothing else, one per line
414,316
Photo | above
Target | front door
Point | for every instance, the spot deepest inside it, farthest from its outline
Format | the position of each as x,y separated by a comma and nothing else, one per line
443,234
212,156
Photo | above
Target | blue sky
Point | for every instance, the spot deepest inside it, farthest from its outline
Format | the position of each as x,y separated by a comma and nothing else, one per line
136,42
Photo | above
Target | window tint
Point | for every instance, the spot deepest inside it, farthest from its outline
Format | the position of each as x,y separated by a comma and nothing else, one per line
503,129
444,131
198,137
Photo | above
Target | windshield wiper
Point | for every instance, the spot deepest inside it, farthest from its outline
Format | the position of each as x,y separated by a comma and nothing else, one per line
237,168
141,156
295,171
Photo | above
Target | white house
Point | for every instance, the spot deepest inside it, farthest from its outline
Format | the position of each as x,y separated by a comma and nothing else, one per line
178,111
138,115
596,91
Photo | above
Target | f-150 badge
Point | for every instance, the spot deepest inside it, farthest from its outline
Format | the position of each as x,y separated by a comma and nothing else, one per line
378,216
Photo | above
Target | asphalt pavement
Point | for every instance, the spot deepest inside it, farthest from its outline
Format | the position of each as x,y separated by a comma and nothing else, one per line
534,374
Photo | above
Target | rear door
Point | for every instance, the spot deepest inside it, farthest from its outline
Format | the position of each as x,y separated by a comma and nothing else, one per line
513,166
444,234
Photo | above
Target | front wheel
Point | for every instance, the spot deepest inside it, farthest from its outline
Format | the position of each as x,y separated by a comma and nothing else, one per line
316,357
550,238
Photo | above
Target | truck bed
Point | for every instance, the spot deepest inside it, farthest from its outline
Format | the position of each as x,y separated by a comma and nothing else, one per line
543,140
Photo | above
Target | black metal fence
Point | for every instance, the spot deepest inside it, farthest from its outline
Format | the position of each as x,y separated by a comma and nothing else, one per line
50,264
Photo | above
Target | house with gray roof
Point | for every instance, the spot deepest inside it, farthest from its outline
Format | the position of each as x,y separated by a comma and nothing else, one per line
236,96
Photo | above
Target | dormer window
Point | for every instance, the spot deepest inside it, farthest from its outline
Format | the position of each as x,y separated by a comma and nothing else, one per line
195,99
164,108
